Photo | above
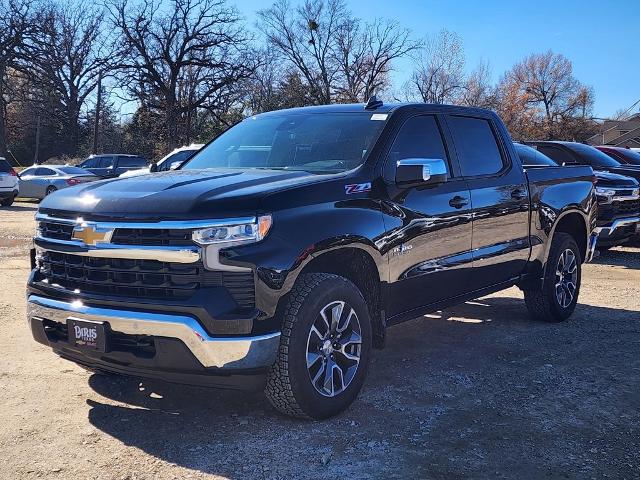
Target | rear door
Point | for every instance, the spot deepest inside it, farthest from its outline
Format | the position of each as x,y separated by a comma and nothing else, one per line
428,227
500,199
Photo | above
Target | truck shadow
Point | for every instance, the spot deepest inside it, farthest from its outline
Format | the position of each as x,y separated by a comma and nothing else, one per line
437,399
628,258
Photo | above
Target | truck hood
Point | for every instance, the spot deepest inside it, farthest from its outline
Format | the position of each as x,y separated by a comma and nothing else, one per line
176,194
608,179
627,170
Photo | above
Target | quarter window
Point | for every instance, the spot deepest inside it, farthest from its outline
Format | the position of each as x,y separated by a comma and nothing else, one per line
476,145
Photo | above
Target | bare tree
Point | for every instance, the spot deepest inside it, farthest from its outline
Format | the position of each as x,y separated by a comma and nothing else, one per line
439,73
15,26
477,89
338,56
306,37
68,54
181,56
365,56
545,81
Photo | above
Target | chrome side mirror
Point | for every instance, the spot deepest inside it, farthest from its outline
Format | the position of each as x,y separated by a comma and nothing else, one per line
421,171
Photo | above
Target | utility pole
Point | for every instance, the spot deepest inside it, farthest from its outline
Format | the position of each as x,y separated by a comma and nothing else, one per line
96,123
37,152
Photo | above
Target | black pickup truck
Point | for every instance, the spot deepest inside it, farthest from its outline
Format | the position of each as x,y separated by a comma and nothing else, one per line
279,254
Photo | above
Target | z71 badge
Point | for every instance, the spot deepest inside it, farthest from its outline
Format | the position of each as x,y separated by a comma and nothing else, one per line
357,188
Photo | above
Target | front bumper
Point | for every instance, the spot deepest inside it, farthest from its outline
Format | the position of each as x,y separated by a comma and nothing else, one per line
619,231
222,355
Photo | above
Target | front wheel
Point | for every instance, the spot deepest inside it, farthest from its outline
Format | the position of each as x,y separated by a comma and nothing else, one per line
324,348
556,298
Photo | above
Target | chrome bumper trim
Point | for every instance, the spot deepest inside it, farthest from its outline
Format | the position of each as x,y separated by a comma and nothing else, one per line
591,247
595,235
621,222
112,250
231,353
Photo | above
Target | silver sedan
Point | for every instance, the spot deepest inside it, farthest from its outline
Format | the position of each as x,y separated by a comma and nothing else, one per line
41,180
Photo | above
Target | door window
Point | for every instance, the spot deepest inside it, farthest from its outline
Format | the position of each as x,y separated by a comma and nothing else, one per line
419,137
477,148
104,162
42,172
131,162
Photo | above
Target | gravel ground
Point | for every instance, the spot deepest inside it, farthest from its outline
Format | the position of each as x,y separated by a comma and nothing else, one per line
477,391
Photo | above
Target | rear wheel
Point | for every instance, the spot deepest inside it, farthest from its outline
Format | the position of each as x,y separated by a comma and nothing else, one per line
7,202
556,299
324,348
50,190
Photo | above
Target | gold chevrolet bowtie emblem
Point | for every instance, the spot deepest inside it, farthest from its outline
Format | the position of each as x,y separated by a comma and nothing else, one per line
90,235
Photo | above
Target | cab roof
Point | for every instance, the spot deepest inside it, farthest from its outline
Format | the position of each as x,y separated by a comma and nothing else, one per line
384,108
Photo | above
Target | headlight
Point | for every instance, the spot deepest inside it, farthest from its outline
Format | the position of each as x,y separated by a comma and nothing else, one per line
229,233
605,194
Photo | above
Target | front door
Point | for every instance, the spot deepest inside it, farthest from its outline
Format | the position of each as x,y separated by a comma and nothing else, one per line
428,228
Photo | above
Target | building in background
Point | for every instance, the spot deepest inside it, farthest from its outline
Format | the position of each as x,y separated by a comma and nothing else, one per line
619,133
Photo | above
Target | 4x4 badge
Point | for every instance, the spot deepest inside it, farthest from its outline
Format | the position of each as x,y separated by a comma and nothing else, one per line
357,188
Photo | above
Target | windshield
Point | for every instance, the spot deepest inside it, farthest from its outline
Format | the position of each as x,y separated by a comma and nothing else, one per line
73,170
318,143
630,156
593,156
530,156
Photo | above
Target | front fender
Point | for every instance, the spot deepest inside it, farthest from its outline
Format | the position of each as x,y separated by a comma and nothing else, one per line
301,234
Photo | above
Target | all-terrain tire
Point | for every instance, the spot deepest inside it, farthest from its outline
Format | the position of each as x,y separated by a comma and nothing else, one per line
543,302
289,387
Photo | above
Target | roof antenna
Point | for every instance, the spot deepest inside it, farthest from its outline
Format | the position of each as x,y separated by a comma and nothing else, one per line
373,103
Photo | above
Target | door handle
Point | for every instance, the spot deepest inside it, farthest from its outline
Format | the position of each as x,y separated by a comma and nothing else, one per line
518,194
458,201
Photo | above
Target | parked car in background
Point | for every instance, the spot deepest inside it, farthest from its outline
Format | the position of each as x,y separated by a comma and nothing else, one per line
8,183
277,256
626,156
618,195
171,161
112,165
42,180
573,153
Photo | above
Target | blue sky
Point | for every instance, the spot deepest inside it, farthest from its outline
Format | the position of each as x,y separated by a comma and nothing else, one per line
601,38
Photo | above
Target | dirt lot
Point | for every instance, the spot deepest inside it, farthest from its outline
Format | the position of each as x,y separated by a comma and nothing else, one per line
477,391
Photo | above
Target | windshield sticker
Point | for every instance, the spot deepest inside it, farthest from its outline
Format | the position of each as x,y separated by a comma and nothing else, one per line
379,116
357,188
